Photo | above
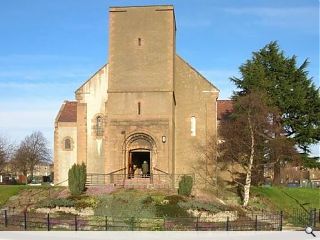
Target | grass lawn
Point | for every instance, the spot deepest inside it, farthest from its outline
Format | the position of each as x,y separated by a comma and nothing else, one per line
7,191
283,198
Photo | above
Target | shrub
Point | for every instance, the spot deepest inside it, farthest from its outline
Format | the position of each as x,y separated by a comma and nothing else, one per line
86,202
174,199
126,204
201,206
58,202
77,177
170,210
185,185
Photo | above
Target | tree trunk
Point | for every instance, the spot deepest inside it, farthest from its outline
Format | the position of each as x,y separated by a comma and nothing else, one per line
257,174
276,166
31,173
249,170
277,173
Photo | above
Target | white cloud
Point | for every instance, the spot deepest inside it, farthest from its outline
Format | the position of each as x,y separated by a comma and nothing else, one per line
34,85
19,123
305,17
27,58
29,74
19,117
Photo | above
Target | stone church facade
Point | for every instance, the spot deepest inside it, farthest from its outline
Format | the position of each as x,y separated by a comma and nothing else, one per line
145,104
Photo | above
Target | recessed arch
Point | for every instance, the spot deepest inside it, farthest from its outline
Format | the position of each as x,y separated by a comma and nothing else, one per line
139,147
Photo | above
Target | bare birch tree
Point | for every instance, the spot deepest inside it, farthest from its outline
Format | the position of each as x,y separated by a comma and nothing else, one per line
244,135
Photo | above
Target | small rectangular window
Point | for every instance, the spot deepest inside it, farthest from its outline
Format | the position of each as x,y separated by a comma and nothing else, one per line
193,126
139,108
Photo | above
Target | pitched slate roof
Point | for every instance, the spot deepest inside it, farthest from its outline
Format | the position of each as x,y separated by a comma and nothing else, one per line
68,112
224,108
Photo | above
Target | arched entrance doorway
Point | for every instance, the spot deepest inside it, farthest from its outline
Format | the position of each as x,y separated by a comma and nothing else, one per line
140,155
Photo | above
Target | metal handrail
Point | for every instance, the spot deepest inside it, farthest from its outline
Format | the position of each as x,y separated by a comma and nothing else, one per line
107,173
159,170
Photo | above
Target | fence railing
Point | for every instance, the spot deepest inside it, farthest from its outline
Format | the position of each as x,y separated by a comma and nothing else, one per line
49,222
304,217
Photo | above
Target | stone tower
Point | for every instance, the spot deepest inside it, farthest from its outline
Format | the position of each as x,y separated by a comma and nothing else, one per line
141,104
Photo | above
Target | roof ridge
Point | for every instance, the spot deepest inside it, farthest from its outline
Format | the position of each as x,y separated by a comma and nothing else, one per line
198,73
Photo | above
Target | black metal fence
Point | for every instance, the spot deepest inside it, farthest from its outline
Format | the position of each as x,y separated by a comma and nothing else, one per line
51,222
255,221
304,217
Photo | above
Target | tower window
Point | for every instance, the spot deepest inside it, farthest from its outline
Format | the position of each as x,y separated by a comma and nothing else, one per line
139,41
139,108
193,126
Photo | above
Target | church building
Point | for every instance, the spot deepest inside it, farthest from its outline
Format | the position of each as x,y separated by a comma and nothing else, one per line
143,115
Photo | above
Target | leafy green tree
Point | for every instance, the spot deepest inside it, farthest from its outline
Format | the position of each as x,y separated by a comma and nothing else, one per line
290,90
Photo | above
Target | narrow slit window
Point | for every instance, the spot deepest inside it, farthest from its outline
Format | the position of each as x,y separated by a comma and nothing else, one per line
193,126
139,41
139,108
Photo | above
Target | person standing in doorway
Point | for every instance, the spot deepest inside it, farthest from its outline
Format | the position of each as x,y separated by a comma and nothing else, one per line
145,169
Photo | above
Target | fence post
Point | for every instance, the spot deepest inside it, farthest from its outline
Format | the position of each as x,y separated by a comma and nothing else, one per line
314,217
25,220
256,224
106,223
164,223
227,224
132,223
5,218
75,223
281,220
197,224
48,221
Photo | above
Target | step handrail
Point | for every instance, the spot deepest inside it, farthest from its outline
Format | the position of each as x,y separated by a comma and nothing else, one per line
157,169
113,172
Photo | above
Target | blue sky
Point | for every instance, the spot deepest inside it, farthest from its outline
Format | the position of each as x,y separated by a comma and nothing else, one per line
49,48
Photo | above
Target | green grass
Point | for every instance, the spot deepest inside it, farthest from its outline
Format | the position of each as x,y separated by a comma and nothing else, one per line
7,191
282,198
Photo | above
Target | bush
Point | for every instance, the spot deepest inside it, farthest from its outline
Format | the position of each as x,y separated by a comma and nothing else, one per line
201,206
170,210
86,202
185,185
127,203
58,202
174,199
77,177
